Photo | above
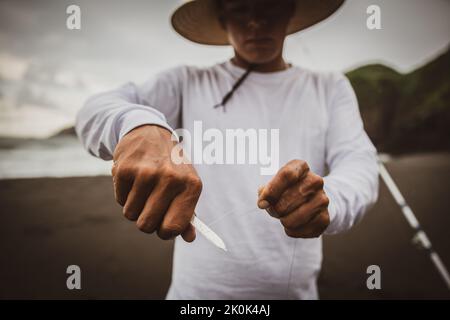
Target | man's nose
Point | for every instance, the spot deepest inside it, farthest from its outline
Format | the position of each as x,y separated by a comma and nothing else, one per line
256,22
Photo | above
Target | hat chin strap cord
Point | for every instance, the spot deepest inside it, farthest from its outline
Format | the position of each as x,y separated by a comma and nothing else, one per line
234,88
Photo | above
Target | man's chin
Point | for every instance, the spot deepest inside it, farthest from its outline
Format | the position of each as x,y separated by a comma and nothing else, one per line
260,59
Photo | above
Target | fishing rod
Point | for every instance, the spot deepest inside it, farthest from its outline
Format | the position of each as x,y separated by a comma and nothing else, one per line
420,238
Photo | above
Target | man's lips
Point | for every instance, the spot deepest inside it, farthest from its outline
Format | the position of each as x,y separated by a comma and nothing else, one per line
259,40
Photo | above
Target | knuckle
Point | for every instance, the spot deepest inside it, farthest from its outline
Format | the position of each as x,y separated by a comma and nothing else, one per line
271,211
286,223
147,173
194,183
288,174
324,200
281,206
145,226
126,209
119,197
294,163
325,220
129,215
313,235
175,228
169,173
169,231
171,176
124,172
165,170
321,225
299,165
317,181
304,166
114,169
310,233
305,187
269,194
291,233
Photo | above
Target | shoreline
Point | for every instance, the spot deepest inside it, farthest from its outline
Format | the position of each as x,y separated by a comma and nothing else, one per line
101,168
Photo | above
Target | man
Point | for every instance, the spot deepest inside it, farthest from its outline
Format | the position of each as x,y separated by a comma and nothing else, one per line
274,256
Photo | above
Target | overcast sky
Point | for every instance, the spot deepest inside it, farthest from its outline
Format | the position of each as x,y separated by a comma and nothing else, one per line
47,71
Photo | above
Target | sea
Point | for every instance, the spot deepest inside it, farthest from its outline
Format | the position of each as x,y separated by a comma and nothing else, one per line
59,156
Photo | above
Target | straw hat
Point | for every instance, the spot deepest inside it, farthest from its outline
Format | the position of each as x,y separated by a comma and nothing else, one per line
197,20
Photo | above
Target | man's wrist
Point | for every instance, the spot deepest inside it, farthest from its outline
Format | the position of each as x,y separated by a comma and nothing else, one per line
137,118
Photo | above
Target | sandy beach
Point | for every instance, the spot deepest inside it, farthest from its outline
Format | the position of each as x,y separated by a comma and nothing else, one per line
50,223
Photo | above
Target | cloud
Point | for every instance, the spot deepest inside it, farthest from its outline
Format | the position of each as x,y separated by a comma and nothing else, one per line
44,64
12,67
31,121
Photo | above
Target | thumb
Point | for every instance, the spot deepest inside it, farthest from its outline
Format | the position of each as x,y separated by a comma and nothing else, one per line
260,190
262,203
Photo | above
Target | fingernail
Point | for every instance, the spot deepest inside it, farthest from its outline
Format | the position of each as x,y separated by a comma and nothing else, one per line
263,204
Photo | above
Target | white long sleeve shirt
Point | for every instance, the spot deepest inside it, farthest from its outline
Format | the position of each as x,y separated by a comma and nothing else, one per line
318,120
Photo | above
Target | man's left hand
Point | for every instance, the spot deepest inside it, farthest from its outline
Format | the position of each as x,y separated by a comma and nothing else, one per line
295,195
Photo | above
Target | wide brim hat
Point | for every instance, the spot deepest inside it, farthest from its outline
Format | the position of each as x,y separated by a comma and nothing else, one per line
197,20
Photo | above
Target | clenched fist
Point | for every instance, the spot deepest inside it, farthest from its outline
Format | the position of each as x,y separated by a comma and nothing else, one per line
295,195
156,193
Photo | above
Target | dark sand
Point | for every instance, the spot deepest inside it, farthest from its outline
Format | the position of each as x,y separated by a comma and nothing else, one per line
48,224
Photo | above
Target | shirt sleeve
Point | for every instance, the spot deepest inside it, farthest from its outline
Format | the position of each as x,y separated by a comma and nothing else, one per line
352,182
106,117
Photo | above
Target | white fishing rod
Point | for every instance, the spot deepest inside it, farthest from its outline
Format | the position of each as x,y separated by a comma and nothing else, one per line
420,237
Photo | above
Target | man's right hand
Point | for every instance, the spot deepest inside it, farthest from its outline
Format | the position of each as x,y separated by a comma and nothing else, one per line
155,192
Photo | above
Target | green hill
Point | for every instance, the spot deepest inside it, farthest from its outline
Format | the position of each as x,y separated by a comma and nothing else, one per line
406,112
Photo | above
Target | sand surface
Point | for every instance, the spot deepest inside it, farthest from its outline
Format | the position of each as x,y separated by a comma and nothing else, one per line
50,223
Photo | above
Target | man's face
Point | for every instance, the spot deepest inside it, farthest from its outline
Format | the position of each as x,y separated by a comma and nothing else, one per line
256,28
